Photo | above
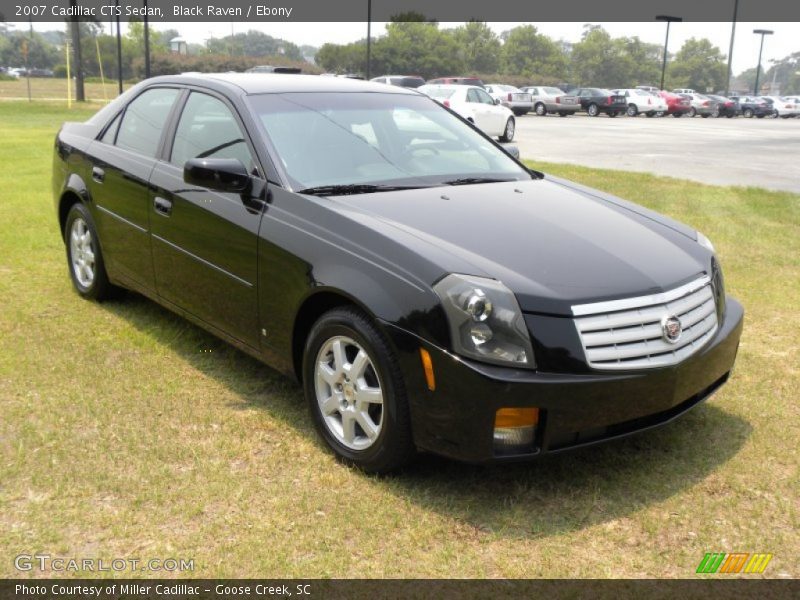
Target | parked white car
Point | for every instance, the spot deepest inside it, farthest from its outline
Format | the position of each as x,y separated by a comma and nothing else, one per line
475,105
516,99
642,102
552,99
783,106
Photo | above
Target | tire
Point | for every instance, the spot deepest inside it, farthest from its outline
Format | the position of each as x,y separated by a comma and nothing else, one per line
508,132
365,384
748,113
692,112
540,109
716,114
592,110
774,114
613,114
632,110
84,256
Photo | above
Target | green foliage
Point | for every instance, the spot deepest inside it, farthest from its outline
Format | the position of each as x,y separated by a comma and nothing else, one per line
254,43
529,53
171,64
599,59
479,48
41,54
698,65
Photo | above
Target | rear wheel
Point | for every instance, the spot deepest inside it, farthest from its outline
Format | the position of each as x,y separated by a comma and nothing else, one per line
355,392
632,110
774,114
692,112
592,110
715,114
84,257
748,113
540,109
508,132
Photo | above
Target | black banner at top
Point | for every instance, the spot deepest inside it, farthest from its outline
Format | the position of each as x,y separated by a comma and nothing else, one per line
386,10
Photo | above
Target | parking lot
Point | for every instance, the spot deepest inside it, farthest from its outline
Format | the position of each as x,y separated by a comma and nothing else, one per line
747,152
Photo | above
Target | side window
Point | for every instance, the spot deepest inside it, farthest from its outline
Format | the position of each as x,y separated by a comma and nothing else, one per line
472,96
208,129
111,133
144,120
484,97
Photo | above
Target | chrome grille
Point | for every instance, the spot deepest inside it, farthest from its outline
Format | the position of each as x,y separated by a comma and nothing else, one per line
628,333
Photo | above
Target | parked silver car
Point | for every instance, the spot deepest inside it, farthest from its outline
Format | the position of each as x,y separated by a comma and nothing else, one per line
514,98
552,99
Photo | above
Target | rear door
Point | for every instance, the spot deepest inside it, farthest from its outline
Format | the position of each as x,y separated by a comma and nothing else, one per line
495,115
205,243
119,184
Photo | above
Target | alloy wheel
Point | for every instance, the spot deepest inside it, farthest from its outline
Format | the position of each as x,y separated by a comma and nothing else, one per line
349,393
82,252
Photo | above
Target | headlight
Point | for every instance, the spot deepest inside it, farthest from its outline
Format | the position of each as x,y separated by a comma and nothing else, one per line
705,242
485,320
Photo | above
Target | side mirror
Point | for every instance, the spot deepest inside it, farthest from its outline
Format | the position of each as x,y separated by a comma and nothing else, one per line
511,150
219,174
497,101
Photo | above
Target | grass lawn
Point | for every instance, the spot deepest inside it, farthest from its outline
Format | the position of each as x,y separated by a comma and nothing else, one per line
127,432
50,88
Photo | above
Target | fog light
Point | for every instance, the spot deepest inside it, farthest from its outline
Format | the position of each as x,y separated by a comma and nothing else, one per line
514,430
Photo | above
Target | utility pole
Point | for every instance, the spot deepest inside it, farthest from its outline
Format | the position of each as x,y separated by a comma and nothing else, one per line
146,42
369,35
119,50
668,20
75,28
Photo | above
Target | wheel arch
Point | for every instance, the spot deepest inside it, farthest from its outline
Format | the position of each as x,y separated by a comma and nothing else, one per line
74,191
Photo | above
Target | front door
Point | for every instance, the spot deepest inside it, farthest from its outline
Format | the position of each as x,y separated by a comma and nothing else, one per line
205,243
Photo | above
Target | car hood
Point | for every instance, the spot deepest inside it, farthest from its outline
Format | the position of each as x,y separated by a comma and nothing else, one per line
552,242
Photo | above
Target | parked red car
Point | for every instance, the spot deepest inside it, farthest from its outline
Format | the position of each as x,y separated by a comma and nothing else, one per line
677,105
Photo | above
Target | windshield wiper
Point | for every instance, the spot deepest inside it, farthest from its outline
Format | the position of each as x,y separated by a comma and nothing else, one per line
471,180
355,188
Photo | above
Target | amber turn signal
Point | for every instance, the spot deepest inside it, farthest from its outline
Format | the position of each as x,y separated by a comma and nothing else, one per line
516,417
427,365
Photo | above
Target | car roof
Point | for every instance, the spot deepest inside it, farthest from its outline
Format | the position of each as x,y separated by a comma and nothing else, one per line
276,83
451,86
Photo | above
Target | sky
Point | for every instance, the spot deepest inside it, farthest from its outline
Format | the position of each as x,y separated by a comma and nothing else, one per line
783,42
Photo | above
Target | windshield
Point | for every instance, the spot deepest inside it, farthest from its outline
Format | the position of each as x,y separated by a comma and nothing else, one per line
333,139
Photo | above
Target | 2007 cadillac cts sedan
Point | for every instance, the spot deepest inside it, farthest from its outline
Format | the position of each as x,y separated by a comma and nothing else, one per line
428,290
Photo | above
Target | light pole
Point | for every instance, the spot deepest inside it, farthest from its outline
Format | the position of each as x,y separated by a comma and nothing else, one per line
369,35
668,20
730,49
762,33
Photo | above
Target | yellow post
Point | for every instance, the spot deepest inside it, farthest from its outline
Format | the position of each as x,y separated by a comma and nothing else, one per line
100,64
69,78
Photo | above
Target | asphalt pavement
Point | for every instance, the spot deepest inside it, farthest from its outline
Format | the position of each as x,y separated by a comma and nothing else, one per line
747,152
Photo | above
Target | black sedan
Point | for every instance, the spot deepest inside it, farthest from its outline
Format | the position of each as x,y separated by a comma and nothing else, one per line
753,106
428,290
725,107
597,100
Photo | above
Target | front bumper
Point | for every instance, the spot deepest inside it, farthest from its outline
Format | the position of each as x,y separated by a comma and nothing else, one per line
457,419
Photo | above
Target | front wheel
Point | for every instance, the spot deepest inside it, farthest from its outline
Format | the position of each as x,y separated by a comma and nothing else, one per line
355,392
592,110
775,114
540,109
84,257
748,113
508,132
692,112
632,110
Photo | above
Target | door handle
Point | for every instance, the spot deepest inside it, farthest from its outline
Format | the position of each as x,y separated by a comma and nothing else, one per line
98,174
162,206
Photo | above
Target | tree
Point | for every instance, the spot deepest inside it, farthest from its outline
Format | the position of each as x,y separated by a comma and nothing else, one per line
479,47
642,62
698,65
41,55
599,60
530,53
